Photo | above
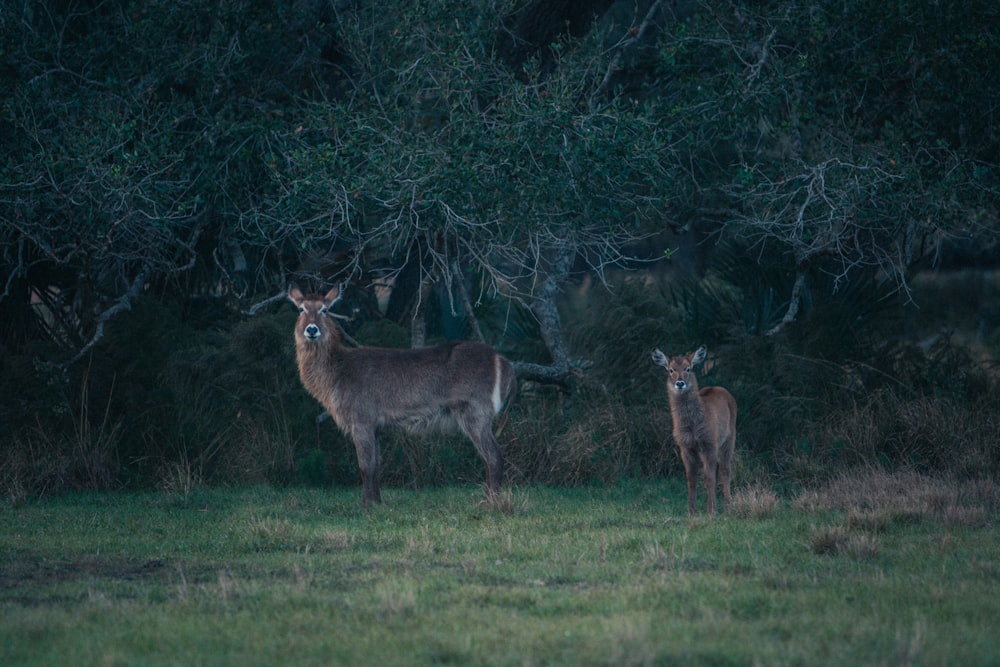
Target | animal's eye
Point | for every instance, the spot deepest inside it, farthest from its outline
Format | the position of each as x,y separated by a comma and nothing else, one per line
687,370
322,309
671,371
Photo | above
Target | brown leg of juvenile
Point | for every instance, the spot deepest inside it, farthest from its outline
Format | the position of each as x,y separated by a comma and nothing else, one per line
709,470
691,472
724,477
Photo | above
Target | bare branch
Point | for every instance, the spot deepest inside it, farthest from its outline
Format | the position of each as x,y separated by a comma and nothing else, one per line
470,314
123,304
793,305
260,305
635,34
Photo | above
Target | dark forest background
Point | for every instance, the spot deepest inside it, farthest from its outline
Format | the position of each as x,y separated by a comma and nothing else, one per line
809,189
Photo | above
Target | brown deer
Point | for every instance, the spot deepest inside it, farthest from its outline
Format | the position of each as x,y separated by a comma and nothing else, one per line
704,425
464,384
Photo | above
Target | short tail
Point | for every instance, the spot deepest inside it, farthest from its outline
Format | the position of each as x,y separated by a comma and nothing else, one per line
507,385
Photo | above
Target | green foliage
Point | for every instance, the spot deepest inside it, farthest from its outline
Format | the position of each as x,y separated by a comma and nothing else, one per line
805,121
441,147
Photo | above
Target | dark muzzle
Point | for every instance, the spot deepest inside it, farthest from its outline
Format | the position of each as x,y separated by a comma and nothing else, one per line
311,332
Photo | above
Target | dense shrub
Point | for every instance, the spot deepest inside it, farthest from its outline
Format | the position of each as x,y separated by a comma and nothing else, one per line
172,402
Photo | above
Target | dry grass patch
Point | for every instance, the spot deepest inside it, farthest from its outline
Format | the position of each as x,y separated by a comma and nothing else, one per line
269,534
507,501
840,541
753,502
868,520
956,515
875,497
875,500
330,539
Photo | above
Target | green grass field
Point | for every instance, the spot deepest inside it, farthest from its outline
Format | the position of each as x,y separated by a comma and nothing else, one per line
583,576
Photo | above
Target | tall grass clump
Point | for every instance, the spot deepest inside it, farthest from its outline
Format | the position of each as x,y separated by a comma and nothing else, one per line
922,432
68,449
753,501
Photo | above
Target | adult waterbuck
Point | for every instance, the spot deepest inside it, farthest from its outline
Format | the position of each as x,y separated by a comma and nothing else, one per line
704,425
464,385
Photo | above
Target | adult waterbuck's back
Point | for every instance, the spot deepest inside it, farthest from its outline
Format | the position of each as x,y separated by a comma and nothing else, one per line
704,425
464,385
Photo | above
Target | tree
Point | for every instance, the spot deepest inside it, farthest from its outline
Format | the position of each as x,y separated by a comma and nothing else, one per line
848,138
127,165
492,147
443,156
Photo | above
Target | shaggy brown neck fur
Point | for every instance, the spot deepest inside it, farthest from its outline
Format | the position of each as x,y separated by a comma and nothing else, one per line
318,365
688,414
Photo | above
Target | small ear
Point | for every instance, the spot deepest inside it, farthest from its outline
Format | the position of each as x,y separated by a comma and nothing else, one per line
659,358
699,355
295,294
333,296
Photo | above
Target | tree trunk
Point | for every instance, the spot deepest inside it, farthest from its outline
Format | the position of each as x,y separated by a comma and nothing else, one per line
546,311
418,322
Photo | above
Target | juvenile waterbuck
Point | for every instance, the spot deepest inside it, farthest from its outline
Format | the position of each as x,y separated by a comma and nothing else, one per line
464,385
704,425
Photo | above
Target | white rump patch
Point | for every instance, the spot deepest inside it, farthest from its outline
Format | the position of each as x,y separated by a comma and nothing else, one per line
497,397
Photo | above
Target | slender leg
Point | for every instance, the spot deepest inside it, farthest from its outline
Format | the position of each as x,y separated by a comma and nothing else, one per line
691,472
710,465
369,461
494,463
726,468
479,429
724,477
